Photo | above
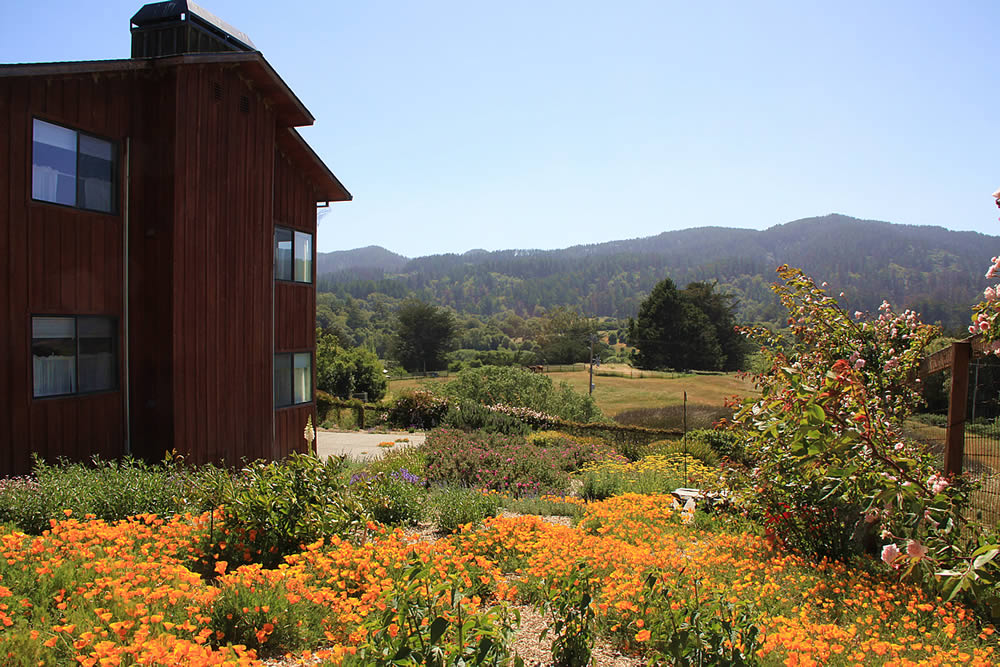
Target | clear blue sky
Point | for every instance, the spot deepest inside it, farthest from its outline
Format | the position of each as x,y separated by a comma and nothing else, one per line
461,125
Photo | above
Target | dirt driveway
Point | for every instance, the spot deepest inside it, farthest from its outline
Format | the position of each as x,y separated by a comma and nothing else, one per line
359,445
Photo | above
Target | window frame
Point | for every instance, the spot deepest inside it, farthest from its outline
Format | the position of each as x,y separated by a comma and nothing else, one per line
116,341
115,168
311,258
291,370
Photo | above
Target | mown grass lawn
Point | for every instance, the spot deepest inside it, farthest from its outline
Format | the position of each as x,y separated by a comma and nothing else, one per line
615,394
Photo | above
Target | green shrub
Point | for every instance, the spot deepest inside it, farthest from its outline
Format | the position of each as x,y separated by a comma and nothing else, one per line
417,408
697,448
271,509
471,416
517,387
394,498
455,507
110,490
324,406
411,459
601,485
727,444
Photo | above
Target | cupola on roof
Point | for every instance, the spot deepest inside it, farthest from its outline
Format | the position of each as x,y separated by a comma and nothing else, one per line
179,26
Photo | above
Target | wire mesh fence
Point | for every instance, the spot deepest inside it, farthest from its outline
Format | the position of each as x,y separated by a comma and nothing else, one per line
982,436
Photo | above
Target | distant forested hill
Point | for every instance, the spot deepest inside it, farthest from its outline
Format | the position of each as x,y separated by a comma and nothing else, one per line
933,270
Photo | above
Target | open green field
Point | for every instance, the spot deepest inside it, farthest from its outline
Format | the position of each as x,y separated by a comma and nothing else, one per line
616,393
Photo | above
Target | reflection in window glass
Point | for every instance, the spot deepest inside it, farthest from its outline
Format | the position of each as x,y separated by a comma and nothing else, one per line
282,379
303,257
53,355
98,367
73,355
282,253
302,378
96,166
72,168
293,255
53,163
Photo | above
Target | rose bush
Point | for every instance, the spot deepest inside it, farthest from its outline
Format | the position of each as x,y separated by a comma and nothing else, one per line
832,473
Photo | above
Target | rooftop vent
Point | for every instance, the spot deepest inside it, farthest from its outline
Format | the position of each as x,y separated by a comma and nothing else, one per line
180,26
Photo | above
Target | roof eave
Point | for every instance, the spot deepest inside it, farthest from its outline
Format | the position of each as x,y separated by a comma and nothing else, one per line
327,186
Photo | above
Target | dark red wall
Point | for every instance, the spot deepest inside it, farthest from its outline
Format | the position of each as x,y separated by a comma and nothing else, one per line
206,186
223,276
56,260
294,303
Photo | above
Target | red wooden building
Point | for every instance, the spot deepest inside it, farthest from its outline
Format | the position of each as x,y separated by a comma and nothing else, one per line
157,245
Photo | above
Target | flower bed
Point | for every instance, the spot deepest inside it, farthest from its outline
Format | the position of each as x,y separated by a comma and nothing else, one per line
122,593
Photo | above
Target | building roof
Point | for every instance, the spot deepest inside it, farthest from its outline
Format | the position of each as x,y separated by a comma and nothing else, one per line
290,110
328,187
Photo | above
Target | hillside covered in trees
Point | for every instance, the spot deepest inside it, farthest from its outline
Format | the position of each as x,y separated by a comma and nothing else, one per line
930,269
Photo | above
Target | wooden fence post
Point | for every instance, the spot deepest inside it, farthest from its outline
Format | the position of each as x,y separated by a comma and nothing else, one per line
954,447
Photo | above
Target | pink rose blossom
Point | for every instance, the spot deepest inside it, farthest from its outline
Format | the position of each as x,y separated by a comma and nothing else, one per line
890,553
914,550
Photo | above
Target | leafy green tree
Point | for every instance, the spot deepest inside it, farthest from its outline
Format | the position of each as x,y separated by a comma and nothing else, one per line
565,336
424,334
344,371
672,332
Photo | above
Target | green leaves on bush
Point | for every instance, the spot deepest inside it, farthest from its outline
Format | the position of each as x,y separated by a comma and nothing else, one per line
455,507
520,388
270,509
109,490
418,408
393,498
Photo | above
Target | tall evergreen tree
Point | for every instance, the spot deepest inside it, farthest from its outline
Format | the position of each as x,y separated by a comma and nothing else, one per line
672,332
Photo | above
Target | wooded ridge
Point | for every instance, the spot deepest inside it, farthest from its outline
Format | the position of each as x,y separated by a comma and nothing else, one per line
933,270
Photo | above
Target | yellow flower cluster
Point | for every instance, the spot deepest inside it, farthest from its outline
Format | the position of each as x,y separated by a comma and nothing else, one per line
673,465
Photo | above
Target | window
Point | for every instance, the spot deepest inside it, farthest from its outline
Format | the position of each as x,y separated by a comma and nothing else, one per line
293,255
72,168
74,355
292,378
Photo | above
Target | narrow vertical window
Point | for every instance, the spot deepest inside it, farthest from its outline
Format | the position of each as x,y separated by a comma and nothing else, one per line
302,377
53,164
283,254
282,380
303,257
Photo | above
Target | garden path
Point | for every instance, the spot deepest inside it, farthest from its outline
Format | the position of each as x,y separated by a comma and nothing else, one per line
361,445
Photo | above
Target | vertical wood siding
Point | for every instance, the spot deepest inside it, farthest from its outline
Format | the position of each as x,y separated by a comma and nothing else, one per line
56,260
222,348
294,303
206,188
